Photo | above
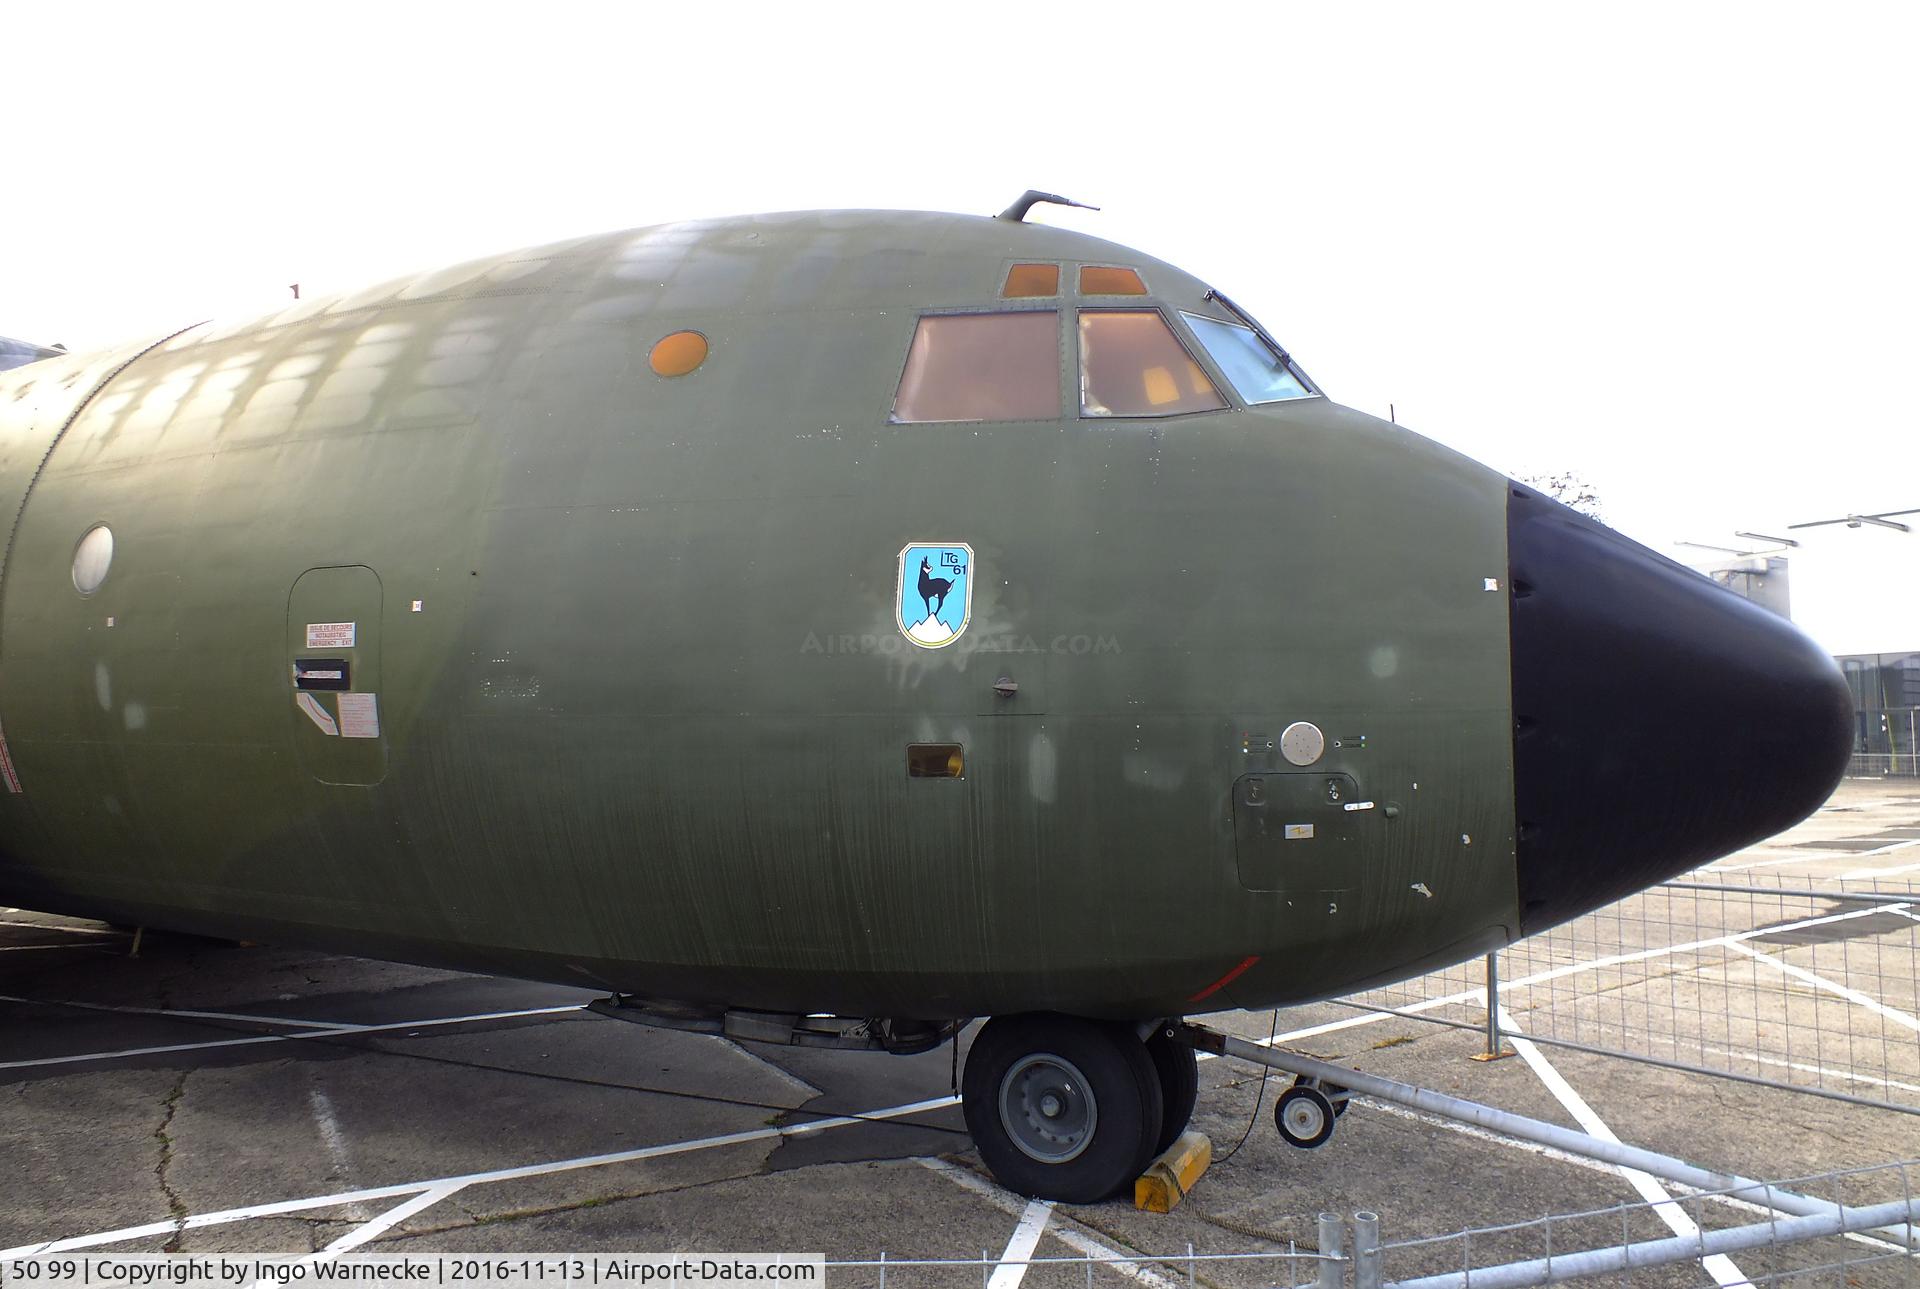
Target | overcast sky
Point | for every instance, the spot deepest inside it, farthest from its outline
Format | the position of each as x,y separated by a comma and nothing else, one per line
1670,246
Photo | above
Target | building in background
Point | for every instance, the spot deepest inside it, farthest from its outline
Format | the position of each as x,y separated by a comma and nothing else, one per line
1760,578
1852,577
1886,699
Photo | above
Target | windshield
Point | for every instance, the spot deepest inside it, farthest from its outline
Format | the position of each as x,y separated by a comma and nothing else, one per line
1259,374
1131,364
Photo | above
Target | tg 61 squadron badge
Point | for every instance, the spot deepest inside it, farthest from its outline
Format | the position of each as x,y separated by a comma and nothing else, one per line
935,592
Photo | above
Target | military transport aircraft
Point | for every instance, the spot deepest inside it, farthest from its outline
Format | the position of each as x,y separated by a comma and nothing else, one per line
830,627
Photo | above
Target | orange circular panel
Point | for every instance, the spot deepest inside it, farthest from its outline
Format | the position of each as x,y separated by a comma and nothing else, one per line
678,354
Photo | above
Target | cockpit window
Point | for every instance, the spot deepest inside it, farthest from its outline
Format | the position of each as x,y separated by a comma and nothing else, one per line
1031,280
1131,364
1096,280
1259,374
982,367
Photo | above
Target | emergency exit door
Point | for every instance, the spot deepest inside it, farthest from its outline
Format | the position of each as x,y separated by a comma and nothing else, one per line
333,675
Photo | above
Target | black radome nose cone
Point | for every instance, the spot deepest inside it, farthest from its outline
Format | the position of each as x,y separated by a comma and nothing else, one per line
1660,720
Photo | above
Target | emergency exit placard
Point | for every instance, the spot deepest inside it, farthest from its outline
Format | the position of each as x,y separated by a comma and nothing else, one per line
329,635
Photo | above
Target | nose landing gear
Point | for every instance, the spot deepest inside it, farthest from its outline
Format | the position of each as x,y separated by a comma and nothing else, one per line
1066,1108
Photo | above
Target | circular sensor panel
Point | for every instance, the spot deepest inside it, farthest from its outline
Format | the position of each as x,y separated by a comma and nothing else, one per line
1302,743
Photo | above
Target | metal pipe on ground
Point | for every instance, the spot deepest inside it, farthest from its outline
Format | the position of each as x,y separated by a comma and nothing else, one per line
1677,1248
1515,1125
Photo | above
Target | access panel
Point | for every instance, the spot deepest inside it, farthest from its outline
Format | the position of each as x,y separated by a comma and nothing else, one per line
333,675
1294,832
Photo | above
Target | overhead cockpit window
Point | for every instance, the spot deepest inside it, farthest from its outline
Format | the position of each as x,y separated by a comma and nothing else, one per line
1095,280
1028,280
1131,364
1259,374
677,354
982,367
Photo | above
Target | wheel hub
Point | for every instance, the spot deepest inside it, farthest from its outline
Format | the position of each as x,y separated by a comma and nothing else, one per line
1304,1117
1047,1108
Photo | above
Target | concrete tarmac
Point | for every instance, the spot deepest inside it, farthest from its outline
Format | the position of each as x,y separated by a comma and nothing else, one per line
206,1097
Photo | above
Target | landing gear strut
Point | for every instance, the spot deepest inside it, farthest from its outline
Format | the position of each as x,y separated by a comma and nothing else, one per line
1071,1109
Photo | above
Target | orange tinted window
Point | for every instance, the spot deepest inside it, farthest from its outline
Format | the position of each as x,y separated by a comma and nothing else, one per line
982,367
1098,281
936,761
678,354
1131,364
1032,279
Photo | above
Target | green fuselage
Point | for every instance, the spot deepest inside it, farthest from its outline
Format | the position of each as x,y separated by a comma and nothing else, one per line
644,702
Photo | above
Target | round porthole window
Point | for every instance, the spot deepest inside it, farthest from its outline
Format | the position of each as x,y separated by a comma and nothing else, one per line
678,354
91,559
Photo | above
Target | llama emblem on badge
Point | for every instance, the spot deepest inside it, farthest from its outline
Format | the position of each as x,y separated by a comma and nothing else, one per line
935,592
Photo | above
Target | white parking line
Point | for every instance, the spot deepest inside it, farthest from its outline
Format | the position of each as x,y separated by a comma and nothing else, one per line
1065,1229
30,948
1804,857
1868,874
254,1039
174,1011
1854,996
1805,1067
359,1235
1719,1266
327,1124
226,1216
1814,856
66,930
774,1070
1012,1267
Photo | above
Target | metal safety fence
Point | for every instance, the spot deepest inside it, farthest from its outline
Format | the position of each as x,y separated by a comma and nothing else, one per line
1701,1238
1865,1237
1791,982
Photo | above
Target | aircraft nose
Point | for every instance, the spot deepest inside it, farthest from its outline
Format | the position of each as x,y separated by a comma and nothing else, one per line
1660,720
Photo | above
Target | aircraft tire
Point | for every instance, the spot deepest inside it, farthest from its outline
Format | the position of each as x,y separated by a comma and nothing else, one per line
1061,1107
1179,1071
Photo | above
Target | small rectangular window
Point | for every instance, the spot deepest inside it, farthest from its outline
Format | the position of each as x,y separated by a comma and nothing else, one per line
982,367
1024,280
1131,364
936,761
1095,280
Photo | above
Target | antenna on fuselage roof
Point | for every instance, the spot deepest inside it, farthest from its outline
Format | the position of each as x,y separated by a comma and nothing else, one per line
1033,197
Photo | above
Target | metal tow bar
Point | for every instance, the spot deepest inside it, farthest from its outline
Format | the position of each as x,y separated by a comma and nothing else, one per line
1514,1125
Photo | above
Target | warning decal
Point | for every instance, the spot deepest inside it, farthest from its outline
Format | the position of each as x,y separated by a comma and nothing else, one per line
329,635
316,712
359,716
